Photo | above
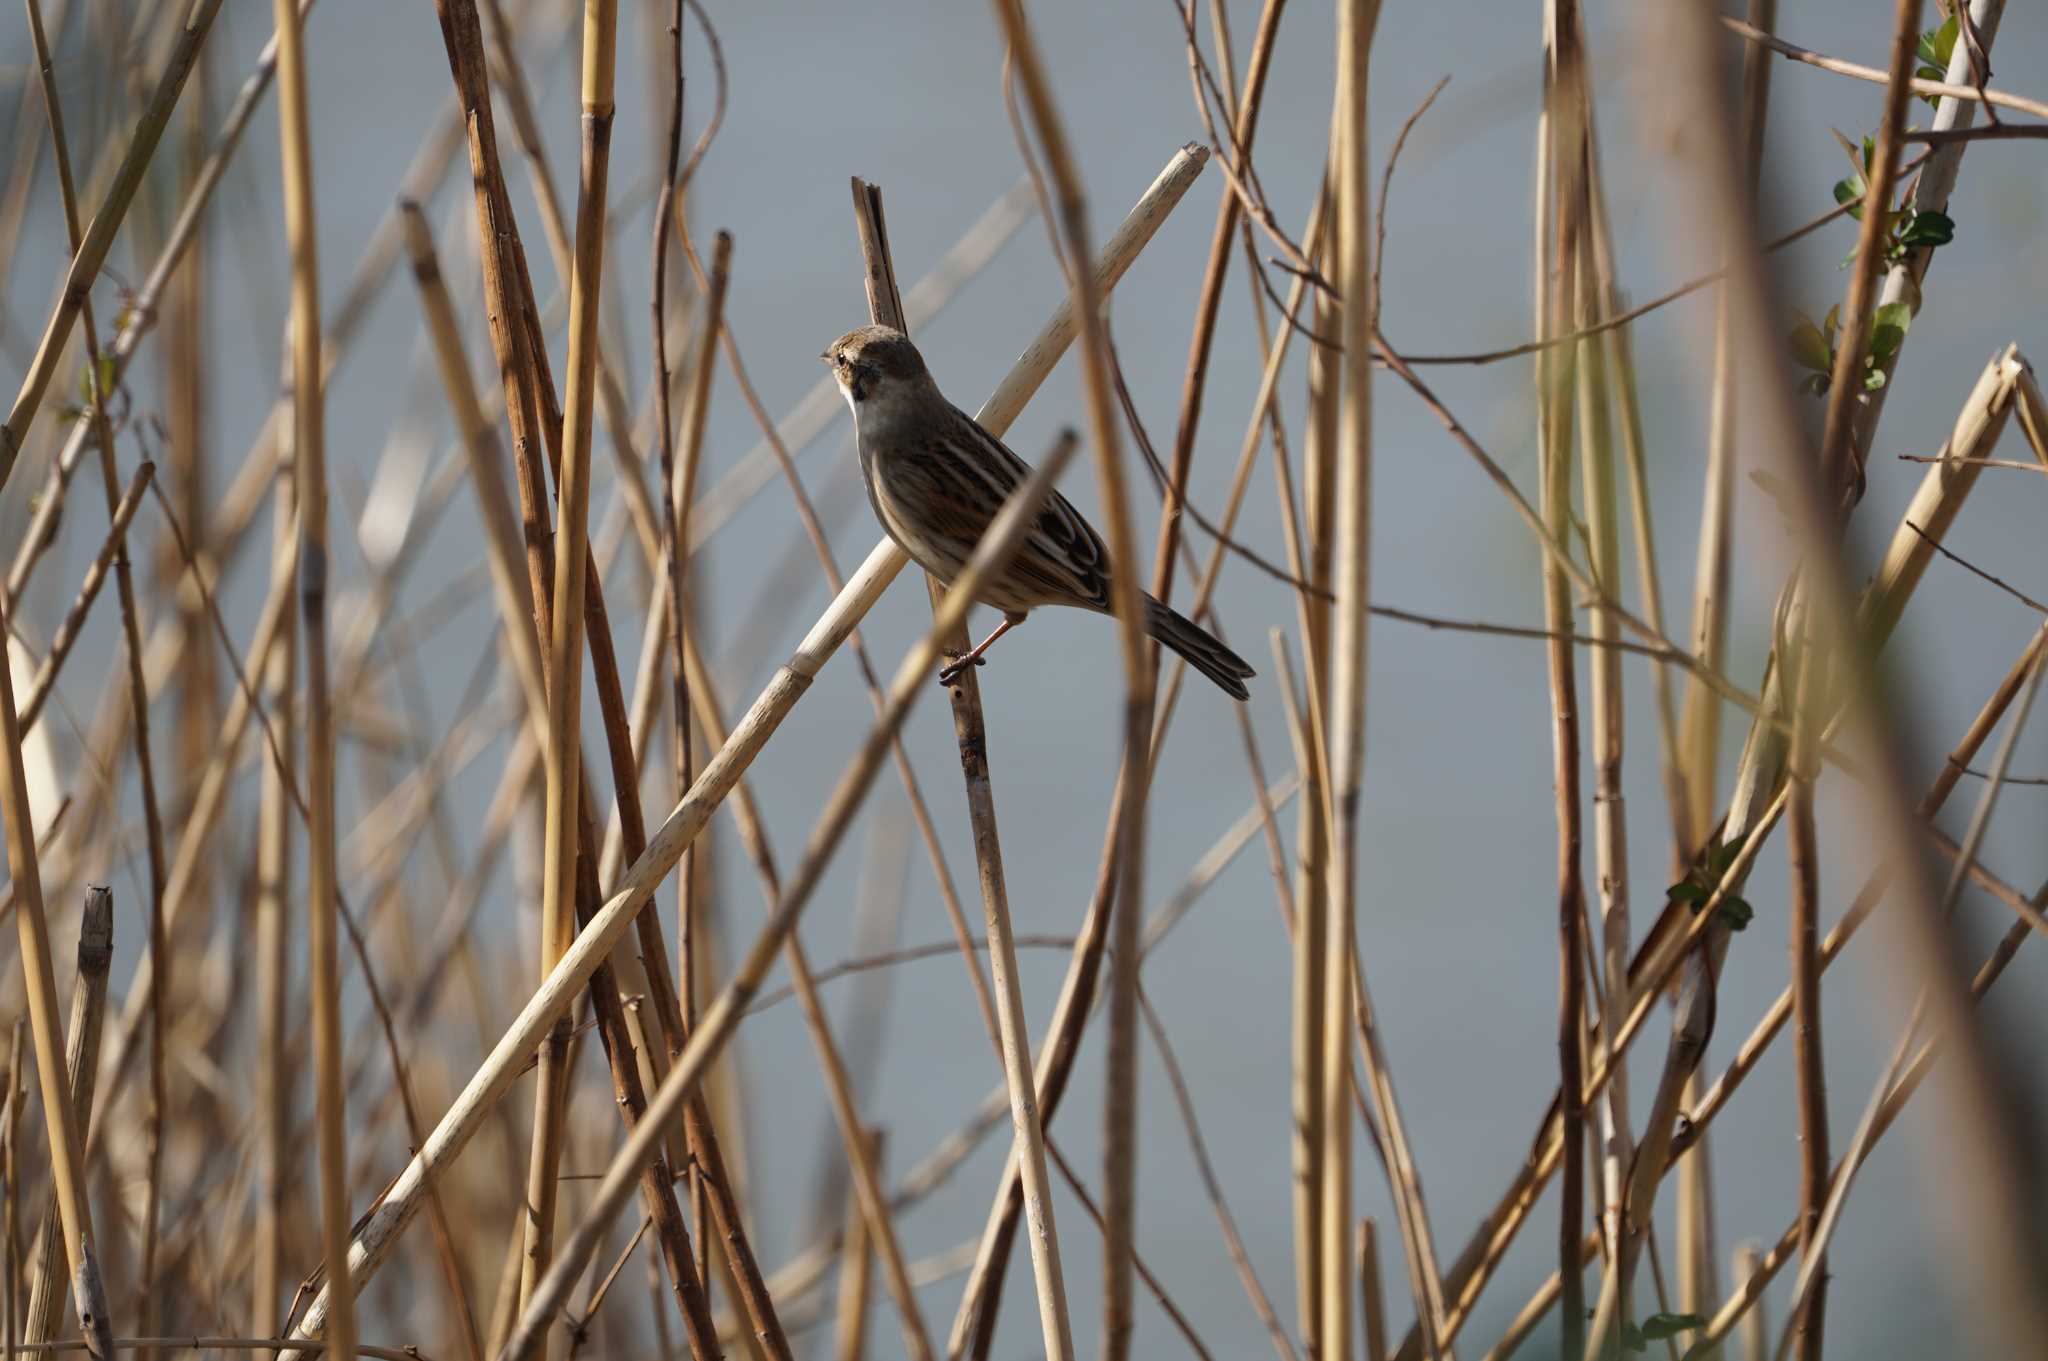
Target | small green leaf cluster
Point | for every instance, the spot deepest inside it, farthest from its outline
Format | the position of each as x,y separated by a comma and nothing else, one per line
1696,890
1814,349
1937,45
1906,228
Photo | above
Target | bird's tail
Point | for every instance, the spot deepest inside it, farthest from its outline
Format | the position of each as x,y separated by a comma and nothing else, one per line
1202,649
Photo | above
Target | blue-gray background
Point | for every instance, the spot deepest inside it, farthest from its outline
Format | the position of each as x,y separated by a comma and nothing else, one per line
1457,920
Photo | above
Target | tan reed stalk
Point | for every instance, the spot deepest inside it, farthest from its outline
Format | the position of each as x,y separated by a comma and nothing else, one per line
1760,36
1373,1317
275,1080
1700,741
82,1059
310,460
1121,1108
10,1222
850,1323
1582,305
1803,854
67,1162
1229,210
565,649
467,1114
723,1016
98,239
1351,580
138,685
88,591
1755,1325
885,305
1554,266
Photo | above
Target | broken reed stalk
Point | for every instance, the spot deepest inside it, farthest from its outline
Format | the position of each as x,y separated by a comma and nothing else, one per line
92,251
885,306
1121,1074
82,1061
565,650
67,1160
310,462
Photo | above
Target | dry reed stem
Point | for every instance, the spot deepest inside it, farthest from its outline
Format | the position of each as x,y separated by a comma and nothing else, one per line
885,306
723,1016
1760,36
98,239
310,458
1803,852
1351,581
1553,267
67,1161
850,1324
1121,1069
82,1061
565,649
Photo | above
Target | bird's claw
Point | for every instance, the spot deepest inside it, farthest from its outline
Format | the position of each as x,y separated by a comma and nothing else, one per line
949,675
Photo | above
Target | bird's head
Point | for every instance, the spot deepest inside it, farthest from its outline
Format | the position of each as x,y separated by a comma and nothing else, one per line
875,362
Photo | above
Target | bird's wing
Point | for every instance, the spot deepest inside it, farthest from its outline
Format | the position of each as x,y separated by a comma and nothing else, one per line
1062,556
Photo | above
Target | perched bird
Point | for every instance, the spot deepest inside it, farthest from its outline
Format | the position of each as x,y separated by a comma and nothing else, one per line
936,480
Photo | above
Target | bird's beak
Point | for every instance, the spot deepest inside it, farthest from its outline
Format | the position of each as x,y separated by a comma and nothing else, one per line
825,355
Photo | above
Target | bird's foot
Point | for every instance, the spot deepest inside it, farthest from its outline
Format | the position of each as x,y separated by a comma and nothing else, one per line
949,675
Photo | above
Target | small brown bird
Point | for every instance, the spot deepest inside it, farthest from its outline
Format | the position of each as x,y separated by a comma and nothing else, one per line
936,480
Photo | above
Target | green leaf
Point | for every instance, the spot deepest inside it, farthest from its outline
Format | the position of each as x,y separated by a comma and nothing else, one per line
1686,891
1809,347
1736,913
1888,329
1945,43
1928,229
1657,1327
1832,323
1632,1338
107,368
1727,853
1850,190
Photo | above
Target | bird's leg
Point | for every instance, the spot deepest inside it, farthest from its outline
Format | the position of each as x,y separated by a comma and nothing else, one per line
950,673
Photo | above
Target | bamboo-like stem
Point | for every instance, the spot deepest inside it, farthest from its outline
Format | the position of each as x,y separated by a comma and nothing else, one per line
1755,1327
1028,1134
723,1016
67,1161
310,461
275,1078
565,650
1351,580
1121,1071
98,238
1803,852
138,685
10,1159
850,1323
1554,268
82,1062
